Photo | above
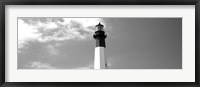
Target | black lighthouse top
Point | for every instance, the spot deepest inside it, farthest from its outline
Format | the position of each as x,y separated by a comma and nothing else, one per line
100,36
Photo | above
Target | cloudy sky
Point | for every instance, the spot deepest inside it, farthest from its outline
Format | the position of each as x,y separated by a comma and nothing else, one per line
67,43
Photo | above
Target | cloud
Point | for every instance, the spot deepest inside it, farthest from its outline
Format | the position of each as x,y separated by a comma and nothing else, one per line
89,66
55,29
25,33
40,65
52,50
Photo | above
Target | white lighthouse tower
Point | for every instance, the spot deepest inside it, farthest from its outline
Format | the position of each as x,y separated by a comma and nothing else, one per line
100,59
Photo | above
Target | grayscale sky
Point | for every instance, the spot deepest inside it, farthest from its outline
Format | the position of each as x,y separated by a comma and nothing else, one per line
131,43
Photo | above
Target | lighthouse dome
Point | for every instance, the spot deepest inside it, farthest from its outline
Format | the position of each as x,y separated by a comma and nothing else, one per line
99,27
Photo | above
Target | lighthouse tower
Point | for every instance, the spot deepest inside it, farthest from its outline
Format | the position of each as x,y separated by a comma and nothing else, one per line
100,59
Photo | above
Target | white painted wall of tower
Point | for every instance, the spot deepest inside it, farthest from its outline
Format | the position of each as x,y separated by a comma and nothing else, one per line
100,58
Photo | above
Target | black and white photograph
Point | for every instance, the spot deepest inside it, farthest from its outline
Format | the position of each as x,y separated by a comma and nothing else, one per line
99,43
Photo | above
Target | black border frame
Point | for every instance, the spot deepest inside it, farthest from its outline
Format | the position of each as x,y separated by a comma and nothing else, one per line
3,3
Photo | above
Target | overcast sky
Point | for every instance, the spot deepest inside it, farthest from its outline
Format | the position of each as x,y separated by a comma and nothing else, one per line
131,43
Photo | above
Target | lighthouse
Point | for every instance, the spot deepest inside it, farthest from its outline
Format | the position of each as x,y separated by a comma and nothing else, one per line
100,58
